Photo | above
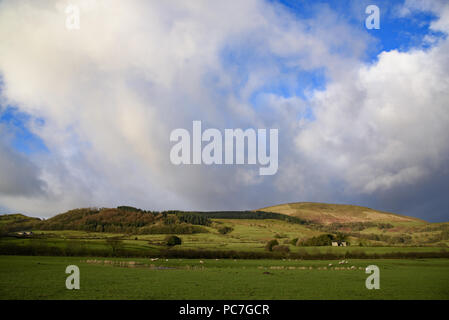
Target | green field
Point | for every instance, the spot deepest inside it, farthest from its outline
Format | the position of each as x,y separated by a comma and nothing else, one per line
243,238
44,278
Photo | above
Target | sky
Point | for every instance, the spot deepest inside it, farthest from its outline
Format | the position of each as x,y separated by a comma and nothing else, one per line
86,114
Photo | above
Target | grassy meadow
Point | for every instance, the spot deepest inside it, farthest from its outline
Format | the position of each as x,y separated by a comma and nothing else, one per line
101,278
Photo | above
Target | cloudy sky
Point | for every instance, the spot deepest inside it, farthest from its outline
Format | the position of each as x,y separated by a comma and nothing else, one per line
86,115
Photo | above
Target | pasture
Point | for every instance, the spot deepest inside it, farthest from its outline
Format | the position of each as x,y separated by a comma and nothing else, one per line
27,277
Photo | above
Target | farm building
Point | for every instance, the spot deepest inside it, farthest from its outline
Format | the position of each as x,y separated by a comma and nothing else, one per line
25,233
339,244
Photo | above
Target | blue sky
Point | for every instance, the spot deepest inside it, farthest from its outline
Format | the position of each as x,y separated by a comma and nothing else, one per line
17,125
395,33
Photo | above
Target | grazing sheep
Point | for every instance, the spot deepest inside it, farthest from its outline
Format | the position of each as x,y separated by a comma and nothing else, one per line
201,261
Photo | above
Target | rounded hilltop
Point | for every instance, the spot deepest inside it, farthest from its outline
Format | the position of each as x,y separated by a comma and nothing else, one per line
326,213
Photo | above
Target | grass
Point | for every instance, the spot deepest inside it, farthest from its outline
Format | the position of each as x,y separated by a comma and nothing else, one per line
151,244
44,278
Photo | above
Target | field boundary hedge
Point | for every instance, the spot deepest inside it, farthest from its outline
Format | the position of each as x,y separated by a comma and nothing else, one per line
46,250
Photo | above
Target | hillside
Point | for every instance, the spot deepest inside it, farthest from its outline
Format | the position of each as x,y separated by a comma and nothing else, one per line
323,213
293,225
114,220
15,217
16,222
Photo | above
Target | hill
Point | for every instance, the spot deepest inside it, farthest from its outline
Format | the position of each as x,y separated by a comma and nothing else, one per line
324,213
126,219
143,232
16,217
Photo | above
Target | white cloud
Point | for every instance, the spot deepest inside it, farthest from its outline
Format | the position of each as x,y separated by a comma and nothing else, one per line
111,92
437,7
388,126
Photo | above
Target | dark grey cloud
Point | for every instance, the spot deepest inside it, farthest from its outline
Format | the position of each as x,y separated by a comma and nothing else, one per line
18,175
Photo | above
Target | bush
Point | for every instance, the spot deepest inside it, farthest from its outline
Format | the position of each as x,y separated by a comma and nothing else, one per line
115,244
281,249
225,230
270,244
322,240
294,241
172,241
41,248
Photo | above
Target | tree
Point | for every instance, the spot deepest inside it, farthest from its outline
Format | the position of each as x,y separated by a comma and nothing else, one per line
321,240
225,230
115,245
340,237
172,241
270,244
281,249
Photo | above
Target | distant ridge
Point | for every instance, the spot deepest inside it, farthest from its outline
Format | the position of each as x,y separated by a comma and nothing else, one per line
325,213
